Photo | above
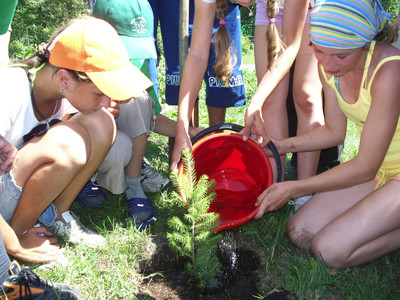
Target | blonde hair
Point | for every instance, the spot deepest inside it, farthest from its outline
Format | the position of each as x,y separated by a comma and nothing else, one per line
274,42
223,66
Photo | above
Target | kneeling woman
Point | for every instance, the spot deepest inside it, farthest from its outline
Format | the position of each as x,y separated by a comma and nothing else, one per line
354,216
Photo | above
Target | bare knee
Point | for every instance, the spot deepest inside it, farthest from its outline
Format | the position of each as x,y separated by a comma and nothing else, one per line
77,141
326,250
298,233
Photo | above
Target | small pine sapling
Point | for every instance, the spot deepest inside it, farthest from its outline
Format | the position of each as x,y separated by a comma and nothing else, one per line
192,235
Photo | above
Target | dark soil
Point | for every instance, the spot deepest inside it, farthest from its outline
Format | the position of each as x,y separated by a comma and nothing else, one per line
242,276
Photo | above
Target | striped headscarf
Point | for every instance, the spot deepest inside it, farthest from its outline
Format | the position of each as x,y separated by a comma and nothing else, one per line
346,24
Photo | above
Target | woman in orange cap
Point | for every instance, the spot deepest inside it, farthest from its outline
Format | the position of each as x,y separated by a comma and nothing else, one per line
86,64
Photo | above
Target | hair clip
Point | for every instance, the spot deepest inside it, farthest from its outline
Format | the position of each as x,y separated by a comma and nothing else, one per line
271,20
222,22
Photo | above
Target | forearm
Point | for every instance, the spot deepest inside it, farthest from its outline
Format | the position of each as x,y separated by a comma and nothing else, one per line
318,139
190,87
345,175
274,76
10,239
165,126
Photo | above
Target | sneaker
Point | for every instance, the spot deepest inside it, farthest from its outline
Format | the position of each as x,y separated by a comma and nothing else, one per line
152,181
73,231
92,194
25,284
298,202
142,211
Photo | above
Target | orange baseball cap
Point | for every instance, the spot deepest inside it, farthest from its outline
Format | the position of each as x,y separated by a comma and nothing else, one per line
92,46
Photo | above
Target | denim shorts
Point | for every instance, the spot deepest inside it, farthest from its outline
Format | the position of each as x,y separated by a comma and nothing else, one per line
9,198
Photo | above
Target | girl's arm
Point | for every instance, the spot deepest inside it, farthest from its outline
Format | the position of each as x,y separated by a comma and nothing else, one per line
195,68
332,133
374,142
8,155
294,15
30,246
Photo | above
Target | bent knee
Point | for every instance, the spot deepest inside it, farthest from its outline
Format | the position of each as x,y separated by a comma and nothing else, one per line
68,146
99,127
119,155
298,233
326,250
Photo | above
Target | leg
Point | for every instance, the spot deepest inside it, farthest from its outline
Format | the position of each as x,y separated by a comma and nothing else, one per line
320,210
61,165
364,232
111,172
216,115
308,102
4,261
273,110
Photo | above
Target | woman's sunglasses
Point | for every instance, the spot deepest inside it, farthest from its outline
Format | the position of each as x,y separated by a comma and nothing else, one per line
39,130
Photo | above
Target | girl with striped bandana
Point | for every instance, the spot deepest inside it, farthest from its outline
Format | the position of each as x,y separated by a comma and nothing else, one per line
353,216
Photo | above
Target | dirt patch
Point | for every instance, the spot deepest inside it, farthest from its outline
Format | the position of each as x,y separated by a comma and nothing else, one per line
165,276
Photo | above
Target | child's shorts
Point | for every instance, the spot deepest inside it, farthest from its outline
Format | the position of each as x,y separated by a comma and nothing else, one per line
217,95
10,194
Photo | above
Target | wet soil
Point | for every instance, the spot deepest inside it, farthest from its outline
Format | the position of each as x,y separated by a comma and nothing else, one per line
241,277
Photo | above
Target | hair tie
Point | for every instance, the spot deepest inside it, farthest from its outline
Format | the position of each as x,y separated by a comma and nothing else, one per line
271,20
222,22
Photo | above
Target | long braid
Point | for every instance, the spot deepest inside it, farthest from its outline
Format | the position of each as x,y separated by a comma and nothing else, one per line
274,42
223,67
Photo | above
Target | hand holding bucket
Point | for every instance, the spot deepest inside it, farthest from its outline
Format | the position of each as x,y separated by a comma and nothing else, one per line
241,170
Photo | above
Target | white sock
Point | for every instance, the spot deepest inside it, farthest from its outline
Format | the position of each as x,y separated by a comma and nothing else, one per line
135,189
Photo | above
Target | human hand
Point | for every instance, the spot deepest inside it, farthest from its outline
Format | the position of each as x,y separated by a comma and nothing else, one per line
273,197
193,131
37,245
114,108
182,142
254,126
8,156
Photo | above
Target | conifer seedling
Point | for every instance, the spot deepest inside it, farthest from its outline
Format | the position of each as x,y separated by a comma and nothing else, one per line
192,236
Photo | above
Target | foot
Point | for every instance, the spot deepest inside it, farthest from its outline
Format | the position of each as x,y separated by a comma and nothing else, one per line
25,284
142,211
152,181
298,202
73,231
92,195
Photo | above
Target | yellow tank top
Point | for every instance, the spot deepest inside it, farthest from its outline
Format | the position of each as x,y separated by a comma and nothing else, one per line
358,112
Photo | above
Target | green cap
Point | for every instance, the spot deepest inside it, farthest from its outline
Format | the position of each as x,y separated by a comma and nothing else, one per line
133,20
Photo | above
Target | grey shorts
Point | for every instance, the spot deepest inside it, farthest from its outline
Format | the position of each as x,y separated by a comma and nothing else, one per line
136,117
10,194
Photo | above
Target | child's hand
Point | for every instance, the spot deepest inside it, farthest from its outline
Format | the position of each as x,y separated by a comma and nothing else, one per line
8,156
114,108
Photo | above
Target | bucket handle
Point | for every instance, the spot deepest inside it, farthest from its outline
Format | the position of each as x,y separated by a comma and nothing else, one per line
237,128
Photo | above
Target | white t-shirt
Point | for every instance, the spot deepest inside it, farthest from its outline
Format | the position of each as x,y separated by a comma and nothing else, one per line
16,114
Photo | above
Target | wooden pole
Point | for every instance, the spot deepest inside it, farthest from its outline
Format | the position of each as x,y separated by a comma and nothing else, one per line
183,49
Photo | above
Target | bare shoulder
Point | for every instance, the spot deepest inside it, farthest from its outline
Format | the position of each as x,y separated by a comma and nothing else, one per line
381,56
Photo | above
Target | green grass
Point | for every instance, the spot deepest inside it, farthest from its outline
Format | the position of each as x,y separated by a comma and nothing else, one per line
113,272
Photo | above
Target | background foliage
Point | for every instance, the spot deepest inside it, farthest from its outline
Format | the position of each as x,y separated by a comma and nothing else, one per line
35,20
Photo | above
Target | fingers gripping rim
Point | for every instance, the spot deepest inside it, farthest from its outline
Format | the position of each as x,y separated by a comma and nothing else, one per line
237,128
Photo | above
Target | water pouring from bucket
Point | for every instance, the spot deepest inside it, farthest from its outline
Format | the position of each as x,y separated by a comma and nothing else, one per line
241,170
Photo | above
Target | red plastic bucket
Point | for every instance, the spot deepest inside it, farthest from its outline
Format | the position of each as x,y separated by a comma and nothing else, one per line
241,171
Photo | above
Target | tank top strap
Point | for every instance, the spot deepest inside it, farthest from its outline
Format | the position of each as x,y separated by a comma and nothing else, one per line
367,63
390,58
